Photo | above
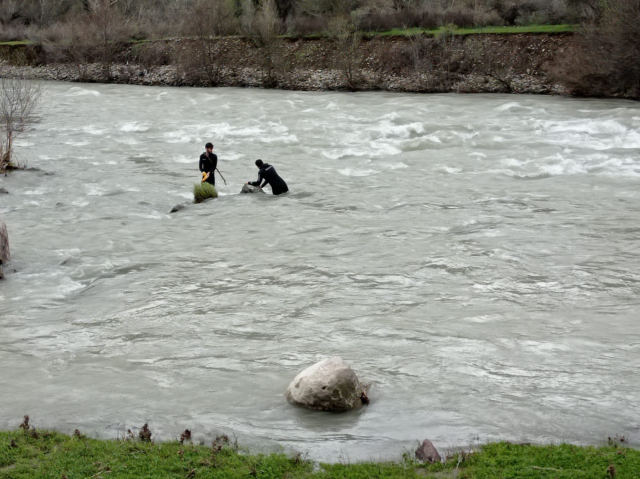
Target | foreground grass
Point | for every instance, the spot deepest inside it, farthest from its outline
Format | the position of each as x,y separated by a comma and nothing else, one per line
28,454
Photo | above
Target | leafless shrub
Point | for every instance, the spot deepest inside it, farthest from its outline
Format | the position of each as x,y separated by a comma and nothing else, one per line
348,56
107,30
495,60
397,59
378,21
202,60
437,62
308,25
590,11
326,7
20,100
605,60
459,18
72,47
418,18
263,27
151,54
210,18
95,36
284,8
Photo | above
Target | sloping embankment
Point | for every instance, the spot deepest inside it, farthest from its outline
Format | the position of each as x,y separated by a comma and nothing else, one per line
487,63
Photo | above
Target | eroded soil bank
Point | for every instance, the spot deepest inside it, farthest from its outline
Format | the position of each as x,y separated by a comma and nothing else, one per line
518,63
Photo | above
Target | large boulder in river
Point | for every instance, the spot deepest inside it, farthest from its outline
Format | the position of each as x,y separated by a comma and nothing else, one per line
329,385
4,246
251,189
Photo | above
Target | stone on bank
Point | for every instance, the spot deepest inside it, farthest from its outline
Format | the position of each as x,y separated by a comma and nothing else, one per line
427,452
329,385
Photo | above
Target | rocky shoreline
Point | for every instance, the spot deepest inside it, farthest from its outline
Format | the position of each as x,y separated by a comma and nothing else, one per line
524,61
300,80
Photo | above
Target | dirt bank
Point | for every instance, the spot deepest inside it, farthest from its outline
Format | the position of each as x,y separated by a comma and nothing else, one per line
518,63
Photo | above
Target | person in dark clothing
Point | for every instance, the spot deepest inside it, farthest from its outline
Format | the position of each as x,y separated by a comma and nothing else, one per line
209,163
268,176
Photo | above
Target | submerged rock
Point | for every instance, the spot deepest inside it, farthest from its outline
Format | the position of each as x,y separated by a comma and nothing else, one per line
177,208
427,452
5,256
3,191
329,385
251,189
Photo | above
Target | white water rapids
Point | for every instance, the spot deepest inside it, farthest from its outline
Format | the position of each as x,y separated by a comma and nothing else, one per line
477,258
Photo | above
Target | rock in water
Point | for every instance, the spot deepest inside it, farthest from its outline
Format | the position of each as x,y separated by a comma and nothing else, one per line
427,452
177,208
4,247
251,189
329,385
3,191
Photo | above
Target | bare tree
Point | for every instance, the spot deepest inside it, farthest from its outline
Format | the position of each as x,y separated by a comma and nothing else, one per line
204,59
437,62
107,27
349,55
495,60
263,27
604,60
20,100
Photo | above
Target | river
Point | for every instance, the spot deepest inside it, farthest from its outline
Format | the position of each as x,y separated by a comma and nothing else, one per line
475,257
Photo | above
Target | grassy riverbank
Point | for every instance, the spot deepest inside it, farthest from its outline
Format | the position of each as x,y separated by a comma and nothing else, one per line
28,454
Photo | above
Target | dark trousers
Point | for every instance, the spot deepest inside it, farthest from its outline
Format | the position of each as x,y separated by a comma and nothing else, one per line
279,188
212,179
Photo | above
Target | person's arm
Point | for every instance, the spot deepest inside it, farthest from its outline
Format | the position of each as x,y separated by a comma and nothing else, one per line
201,165
257,183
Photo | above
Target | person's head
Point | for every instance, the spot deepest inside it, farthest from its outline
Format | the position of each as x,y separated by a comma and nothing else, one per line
259,163
209,147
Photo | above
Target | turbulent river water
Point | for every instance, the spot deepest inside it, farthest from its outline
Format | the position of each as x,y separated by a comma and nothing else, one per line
476,258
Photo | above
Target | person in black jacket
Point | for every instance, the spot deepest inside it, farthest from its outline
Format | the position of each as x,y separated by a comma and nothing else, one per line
268,176
209,163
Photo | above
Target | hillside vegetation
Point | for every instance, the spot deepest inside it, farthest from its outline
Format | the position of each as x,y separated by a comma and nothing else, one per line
60,20
601,62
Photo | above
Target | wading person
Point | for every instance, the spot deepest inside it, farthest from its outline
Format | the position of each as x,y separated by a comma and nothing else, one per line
208,164
268,176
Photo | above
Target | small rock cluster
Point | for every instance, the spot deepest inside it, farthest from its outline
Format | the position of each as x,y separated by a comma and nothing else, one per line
299,80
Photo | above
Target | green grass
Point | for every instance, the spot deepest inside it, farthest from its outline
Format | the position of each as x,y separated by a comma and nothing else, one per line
29,454
18,42
401,32
204,191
